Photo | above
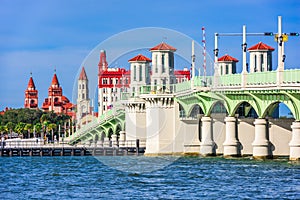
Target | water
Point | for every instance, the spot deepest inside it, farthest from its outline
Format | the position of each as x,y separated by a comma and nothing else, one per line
185,178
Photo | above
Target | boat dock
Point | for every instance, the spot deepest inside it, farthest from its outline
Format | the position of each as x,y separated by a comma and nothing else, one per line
71,151
29,148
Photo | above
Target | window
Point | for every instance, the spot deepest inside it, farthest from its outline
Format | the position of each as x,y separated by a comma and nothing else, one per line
221,70
82,95
163,63
262,62
227,69
134,73
82,86
141,73
79,86
255,69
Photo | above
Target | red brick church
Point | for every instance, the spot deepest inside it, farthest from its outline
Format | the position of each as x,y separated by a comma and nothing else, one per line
55,101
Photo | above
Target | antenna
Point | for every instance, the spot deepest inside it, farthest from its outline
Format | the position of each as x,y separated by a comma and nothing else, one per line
204,52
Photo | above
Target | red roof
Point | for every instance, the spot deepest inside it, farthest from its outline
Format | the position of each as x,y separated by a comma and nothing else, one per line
261,46
163,46
140,58
83,75
31,83
228,58
54,80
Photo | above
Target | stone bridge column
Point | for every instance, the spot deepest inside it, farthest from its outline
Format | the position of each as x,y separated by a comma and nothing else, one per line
207,146
135,119
122,138
106,142
295,142
231,144
261,143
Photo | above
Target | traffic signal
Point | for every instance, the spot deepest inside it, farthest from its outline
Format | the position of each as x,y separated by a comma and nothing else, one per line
268,33
294,34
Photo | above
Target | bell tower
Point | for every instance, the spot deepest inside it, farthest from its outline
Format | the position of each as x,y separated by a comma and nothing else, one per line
31,95
83,101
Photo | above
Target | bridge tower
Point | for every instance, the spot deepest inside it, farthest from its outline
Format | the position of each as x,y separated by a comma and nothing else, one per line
260,57
83,101
162,66
227,64
31,95
140,73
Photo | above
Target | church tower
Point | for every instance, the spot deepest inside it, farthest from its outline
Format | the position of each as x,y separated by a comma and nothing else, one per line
83,101
162,67
31,95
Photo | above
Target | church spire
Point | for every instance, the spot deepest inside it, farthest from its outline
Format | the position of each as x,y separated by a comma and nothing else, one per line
102,66
82,75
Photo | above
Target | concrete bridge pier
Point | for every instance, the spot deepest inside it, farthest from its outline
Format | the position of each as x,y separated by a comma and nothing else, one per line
122,138
114,140
106,142
261,144
207,146
295,142
231,144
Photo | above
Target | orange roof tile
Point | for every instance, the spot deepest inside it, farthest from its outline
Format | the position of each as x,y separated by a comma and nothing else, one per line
83,75
261,46
31,83
228,58
163,46
140,58
55,80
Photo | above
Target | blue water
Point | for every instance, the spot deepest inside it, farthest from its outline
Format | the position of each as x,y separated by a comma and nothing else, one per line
185,178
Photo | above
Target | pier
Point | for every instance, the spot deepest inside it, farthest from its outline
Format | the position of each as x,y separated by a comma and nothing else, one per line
25,148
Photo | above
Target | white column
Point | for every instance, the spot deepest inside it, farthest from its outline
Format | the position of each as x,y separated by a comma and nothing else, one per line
261,142
258,62
106,142
231,144
207,146
114,140
122,138
295,142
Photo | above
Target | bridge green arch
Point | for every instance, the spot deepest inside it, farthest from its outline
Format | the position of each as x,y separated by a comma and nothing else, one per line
192,107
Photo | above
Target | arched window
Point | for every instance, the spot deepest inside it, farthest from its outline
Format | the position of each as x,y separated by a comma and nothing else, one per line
262,62
255,64
134,73
163,63
141,72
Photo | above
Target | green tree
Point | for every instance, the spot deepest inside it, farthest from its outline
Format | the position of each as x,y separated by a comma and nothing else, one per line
28,128
10,126
38,128
19,128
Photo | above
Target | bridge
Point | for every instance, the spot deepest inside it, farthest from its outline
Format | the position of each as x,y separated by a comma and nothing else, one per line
225,113
202,116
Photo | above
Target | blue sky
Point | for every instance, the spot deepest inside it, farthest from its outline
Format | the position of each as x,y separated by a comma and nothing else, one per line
38,36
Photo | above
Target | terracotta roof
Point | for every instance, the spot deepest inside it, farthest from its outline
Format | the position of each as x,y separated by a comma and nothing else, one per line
228,58
140,57
31,83
163,46
261,46
83,75
55,80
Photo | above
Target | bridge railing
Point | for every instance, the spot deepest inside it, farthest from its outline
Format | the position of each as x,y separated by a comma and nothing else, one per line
291,76
231,80
262,78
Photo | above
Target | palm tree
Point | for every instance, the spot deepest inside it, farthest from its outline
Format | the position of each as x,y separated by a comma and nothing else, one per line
38,127
28,128
19,128
10,126
51,128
